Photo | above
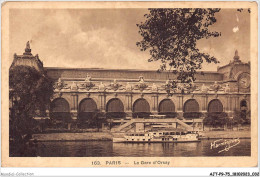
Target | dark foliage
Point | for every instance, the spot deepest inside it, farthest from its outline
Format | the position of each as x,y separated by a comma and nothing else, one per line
171,36
91,119
216,119
242,117
29,93
111,115
85,116
192,115
62,116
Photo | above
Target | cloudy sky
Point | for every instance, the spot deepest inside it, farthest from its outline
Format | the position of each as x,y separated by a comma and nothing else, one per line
106,38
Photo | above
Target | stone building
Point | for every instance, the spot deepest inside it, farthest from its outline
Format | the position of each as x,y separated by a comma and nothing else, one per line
121,93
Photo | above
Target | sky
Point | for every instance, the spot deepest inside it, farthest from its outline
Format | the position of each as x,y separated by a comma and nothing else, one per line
106,38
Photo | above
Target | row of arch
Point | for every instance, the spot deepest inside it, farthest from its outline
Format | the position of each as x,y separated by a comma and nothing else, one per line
88,105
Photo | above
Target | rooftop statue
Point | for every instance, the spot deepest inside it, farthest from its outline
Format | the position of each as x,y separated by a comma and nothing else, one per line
28,45
154,87
59,84
141,79
204,88
236,57
102,87
227,88
128,87
167,82
27,49
115,85
88,78
74,86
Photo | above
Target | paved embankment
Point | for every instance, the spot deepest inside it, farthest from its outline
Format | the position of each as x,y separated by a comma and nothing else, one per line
225,134
106,136
88,136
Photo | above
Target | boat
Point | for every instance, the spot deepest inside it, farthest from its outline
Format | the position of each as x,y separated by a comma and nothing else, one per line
159,137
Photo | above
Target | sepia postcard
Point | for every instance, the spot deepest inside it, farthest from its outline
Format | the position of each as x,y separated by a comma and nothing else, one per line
129,84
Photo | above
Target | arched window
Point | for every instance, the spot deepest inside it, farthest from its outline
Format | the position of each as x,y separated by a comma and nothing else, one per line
87,105
60,105
141,108
191,109
166,106
115,109
115,105
87,109
191,106
59,109
215,106
141,105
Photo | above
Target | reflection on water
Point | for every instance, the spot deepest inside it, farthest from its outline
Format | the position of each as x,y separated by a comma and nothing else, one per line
110,149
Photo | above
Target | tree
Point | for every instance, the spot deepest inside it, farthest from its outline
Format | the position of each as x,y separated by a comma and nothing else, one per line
30,93
242,117
216,119
171,36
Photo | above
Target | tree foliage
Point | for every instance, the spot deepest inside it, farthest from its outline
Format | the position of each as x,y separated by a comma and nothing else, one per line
171,37
91,119
216,119
30,93
242,117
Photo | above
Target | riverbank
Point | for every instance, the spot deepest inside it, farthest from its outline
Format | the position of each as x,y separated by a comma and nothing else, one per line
225,134
87,136
107,136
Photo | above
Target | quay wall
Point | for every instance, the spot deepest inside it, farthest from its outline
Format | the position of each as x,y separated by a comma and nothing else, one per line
87,136
106,136
226,134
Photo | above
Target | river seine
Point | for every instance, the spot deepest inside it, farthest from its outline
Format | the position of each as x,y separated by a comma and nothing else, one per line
110,149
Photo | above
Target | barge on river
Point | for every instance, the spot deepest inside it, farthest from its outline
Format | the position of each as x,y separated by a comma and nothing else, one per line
159,137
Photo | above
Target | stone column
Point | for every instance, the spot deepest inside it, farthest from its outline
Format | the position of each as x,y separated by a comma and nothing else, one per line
74,106
102,101
227,108
73,109
230,103
204,104
235,101
227,104
155,103
129,100
180,105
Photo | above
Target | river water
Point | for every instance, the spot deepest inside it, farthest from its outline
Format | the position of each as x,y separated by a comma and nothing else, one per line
110,149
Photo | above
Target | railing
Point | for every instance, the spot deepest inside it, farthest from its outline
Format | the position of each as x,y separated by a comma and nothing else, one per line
169,114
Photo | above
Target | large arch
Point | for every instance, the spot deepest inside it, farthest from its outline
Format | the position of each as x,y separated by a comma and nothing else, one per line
191,105
215,106
141,108
60,109
87,109
115,108
191,109
115,105
167,107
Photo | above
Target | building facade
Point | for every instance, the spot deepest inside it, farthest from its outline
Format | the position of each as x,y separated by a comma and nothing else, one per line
80,92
